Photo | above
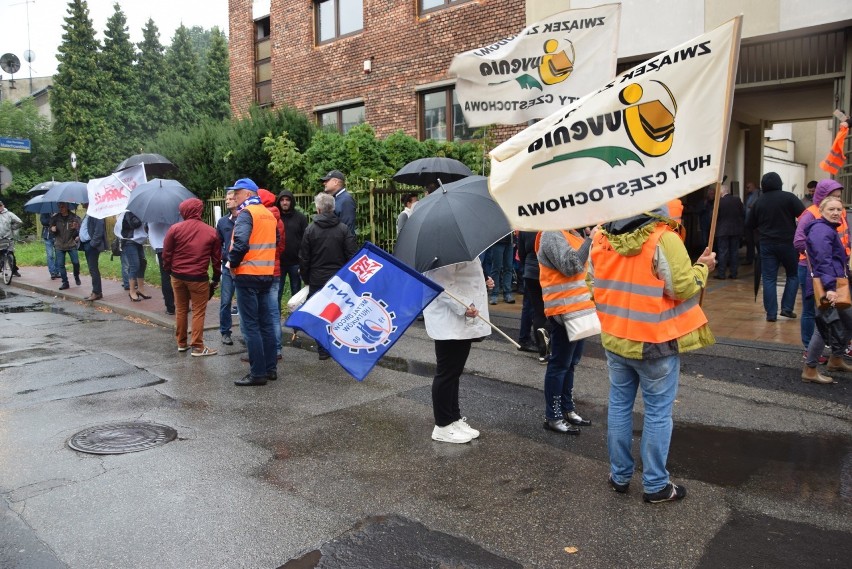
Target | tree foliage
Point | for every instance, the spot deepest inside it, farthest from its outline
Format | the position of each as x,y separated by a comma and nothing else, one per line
152,82
78,115
215,92
182,80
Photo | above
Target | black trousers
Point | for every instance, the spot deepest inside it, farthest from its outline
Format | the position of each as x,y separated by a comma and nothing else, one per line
92,258
450,356
166,284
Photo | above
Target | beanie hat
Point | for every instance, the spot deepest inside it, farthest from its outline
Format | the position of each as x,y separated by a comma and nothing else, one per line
771,181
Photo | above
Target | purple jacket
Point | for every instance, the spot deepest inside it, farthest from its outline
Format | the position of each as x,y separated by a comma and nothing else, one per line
826,253
824,187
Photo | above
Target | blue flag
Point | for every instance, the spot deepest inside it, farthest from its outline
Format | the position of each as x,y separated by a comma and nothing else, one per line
364,308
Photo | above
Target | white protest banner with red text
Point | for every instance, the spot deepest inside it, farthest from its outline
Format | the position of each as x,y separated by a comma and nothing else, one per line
109,195
654,133
548,65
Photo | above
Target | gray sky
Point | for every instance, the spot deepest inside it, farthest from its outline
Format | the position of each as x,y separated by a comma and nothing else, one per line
46,18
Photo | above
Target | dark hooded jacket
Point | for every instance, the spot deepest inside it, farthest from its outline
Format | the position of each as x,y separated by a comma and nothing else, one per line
326,247
295,224
267,198
775,212
191,246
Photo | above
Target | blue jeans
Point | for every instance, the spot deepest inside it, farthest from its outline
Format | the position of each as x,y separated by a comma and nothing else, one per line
501,269
275,313
773,256
658,379
135,255
50,252
226,292
559,377
525,336
806,323
257,328
75,262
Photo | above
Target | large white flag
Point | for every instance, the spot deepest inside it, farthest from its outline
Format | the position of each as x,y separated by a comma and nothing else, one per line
109,195
654,133
547,66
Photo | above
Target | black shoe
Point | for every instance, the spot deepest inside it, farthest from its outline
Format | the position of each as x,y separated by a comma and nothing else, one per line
170,312
16,274
527,347
323,356
273,376
720,277
248,380
788,314
226,339
560,426
77,280
670,493
573,418
771,318
64,286
54,277
620,488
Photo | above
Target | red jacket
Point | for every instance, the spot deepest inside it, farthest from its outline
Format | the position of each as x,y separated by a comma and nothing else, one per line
267,198
191,246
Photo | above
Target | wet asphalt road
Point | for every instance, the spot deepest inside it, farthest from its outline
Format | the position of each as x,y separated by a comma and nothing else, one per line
317,470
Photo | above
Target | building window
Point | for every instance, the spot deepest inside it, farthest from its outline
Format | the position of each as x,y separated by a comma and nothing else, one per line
338,18
262,63
432,5
441,117
341,119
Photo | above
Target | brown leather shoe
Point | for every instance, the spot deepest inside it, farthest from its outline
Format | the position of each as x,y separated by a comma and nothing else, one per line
810,374
93,297
837,363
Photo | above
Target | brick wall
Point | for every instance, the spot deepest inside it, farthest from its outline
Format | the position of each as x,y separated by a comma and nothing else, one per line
407,52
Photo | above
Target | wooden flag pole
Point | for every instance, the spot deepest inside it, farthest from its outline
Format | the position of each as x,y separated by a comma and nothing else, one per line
712,233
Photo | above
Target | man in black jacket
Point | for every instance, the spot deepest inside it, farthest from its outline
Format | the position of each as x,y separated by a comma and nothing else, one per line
774,216
326,246
295,224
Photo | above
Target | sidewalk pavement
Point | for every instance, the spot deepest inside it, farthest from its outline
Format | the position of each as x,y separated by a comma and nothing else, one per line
730,305
37,279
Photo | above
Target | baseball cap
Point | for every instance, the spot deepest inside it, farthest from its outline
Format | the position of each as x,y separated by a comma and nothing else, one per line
244,184
334,174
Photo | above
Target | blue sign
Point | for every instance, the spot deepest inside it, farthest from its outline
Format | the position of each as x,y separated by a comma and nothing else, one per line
15,144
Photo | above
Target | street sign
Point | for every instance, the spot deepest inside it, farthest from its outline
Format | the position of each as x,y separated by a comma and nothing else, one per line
15,144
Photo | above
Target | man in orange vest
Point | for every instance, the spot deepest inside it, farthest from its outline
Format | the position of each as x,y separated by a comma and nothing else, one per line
646,291
251,260
562,258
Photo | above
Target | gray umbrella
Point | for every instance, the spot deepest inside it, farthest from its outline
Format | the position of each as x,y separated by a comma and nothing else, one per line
157,201
70,192
432,170
452,225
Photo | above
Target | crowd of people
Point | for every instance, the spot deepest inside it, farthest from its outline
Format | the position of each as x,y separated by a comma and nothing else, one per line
631,281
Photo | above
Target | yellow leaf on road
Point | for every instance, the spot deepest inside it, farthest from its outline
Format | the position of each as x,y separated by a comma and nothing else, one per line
571,549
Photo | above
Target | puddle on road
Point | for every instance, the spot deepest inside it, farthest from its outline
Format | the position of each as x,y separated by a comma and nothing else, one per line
802,467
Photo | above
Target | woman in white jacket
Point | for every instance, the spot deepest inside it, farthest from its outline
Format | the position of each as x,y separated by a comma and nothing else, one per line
454,326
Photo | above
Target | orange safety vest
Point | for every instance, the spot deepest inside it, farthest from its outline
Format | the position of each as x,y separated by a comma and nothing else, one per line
835,159
842,229
260,258
630,299
563,294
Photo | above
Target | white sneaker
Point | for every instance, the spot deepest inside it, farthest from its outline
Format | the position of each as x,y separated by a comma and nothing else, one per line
450,434
465,428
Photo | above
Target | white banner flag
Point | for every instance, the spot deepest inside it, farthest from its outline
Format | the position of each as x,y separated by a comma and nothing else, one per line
547,66
109,195
654,133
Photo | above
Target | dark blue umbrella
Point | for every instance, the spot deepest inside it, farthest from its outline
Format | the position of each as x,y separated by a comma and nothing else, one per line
38,205
157,201
70,192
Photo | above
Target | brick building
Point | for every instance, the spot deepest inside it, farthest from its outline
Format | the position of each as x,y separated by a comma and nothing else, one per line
348,61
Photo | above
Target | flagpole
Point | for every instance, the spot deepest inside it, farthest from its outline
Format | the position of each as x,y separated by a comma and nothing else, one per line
498,330
712,233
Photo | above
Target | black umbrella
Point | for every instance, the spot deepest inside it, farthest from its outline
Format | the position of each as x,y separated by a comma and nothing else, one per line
155,164
70,192
41,188
157,201
432,170
452,225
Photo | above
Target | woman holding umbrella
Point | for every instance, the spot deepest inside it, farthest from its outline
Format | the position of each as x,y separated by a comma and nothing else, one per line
455,326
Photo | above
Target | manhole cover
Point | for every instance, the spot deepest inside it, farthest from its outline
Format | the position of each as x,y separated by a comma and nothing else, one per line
120,438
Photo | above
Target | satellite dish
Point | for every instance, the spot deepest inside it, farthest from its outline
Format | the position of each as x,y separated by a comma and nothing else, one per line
29,55
10,63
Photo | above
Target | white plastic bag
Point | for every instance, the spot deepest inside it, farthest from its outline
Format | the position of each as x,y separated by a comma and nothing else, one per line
298,299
